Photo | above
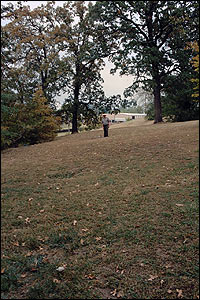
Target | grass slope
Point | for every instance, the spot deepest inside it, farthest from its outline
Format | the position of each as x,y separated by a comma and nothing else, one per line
119,214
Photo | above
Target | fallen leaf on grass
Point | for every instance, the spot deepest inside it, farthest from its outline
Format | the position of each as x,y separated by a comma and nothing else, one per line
168,266
45,260
90,276
16,244
152,277
180,293
5,256
56,280
23,275
114,292
60,269
40,239
169,291
102,246
142,265
84,229
75,222
118,294
179,204
27,220
98,238
3,271
82,241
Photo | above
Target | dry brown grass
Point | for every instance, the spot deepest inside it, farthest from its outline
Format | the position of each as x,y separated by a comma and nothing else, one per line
119,213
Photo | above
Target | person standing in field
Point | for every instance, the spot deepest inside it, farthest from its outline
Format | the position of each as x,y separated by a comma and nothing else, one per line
106,124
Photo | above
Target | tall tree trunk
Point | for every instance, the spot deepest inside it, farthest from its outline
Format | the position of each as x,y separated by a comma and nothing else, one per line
74,120
44,85
155,69
75,109
157,104
156,92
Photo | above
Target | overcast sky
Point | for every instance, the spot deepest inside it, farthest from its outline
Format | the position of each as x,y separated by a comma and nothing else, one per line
113,84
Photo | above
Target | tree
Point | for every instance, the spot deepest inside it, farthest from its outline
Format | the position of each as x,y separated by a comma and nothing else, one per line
34,49
195,63
177,100
41,123
27,123
60,49
84,50
147,30
9,129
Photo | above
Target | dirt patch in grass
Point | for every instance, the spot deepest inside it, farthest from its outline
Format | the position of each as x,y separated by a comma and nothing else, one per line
119,214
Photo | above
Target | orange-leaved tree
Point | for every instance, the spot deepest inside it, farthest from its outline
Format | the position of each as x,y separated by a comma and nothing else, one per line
42,125
30,122
195,63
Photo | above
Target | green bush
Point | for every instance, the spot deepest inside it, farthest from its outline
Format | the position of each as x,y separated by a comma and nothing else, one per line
27,123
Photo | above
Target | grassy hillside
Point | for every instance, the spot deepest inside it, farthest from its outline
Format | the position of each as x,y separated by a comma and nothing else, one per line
118,214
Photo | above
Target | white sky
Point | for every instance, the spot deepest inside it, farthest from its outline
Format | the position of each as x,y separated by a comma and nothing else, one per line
113,84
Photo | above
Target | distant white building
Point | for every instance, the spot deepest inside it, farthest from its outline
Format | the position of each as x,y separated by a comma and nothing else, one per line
119,120
134,115
123,117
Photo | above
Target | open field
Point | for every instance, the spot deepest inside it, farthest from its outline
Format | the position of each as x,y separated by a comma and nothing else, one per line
118,214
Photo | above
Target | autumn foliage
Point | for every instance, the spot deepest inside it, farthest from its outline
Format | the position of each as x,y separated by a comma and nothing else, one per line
28,123
195,63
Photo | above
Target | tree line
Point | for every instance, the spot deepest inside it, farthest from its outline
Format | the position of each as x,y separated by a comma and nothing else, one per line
52,49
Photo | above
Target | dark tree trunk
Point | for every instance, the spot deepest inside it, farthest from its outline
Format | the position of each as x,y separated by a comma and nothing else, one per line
44,85
44,77
75,109
157,96
74,120
77,86
157,105
155,69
